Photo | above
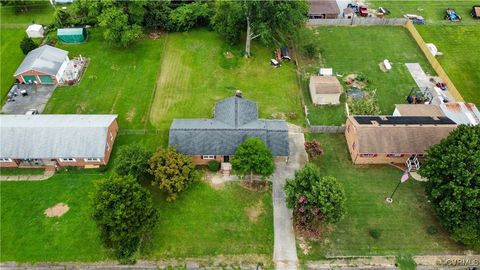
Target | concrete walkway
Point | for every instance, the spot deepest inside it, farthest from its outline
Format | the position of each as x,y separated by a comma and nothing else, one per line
40,177
423,80
285,251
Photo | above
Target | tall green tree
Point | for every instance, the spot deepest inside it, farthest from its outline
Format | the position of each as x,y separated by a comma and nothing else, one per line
132,160
124,213
157,15
253,157
269,20
187,16
173,172
116,27
314,199
452,168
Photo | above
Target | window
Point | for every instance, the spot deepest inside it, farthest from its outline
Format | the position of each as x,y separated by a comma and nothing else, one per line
369,155
67,160
395,155
111,136
108,147
420,155
91,159
5,160
208,157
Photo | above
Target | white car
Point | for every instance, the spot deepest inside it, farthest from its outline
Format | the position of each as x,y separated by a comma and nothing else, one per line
32,112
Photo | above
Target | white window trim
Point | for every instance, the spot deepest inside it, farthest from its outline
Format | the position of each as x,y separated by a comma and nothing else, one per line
6,160
395,155
92,160
208,156
67,160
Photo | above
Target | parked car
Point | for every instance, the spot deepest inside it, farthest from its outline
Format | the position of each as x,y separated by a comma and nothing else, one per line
363,10
32,112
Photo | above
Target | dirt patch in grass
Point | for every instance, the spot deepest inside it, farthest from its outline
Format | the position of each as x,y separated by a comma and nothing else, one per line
81,107
155,35
228,55
255,211
304,245
255,185
131,114
57,211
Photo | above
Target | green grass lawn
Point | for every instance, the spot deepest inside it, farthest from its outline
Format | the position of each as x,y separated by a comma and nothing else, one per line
432,10
10,58
20,171
461,48
402,224
352,50
40,11
117,80
203,222
195,74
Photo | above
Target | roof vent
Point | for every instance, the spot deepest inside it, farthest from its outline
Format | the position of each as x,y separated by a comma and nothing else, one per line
238,93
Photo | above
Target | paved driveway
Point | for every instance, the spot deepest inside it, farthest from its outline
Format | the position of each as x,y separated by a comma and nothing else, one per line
37,98
285,251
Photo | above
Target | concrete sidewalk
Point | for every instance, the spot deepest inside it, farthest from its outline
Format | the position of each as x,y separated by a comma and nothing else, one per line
285,250
40,177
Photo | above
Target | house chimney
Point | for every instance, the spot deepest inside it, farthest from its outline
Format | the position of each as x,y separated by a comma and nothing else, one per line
238,93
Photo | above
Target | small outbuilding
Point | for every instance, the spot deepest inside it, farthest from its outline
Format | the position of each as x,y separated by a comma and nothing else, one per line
325,90
44,65
323,9
476,12
72,35
348,13
35,31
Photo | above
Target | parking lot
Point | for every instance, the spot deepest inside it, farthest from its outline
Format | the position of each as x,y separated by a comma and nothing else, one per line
33,97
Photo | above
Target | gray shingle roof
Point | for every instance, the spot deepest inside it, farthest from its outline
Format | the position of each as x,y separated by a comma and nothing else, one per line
54,136
236,119
46,59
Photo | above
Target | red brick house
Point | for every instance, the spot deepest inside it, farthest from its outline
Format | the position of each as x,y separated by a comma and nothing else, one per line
393,139
49,141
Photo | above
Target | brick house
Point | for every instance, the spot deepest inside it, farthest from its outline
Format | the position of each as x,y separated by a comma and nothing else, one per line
63,140
44,65
235,120
393,139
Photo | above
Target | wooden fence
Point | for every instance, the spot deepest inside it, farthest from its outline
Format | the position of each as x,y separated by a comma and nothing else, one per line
357,21
433,61
326,129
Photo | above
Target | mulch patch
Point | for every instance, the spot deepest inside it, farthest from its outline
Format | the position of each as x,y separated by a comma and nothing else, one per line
255,185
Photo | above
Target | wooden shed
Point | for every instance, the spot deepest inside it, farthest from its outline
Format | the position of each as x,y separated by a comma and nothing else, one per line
323,9
325,90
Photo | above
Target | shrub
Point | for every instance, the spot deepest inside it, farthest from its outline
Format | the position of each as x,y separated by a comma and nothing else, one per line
375,233
173,172
432,230
214,165
313,148
27,44
124,213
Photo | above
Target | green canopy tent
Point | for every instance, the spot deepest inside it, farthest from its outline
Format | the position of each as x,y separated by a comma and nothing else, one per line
72,35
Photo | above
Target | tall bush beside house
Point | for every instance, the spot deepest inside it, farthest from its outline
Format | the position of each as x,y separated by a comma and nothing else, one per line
173,172
452,168
315,200
27,44
125,215
132,160
253,157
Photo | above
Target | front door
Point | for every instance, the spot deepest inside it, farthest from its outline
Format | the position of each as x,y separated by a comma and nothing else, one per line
226,159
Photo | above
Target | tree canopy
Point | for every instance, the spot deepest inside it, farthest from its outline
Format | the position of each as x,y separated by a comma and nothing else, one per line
452,168
314,199
132,160
173,172
270,21
253,156
124,212
117,29
27,44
